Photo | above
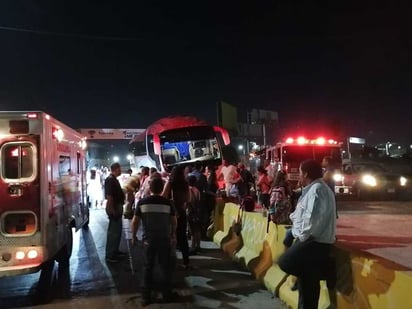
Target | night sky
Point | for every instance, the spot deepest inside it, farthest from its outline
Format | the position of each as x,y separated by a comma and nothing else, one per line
338,67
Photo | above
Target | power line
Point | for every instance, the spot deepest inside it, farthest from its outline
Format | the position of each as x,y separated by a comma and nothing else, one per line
71,35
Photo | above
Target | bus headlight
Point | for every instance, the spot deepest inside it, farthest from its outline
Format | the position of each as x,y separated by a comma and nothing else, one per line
338,177
403,181
369,180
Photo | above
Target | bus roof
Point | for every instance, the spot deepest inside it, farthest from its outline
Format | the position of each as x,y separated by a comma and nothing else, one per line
169,123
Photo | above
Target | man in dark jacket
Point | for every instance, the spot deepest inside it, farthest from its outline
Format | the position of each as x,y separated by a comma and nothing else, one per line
114,209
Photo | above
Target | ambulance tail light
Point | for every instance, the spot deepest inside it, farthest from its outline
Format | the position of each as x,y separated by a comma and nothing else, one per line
32,254
20,255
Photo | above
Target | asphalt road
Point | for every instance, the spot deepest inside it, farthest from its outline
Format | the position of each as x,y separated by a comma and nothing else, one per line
215,281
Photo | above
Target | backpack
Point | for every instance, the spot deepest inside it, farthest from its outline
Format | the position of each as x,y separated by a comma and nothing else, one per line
248,204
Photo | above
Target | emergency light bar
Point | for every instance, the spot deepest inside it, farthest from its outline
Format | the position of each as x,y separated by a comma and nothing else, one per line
305,141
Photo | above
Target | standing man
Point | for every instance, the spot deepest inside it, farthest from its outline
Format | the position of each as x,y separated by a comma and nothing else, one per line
114,209
314,228
159,232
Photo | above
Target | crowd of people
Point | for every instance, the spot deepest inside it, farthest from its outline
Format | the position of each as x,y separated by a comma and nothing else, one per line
171,207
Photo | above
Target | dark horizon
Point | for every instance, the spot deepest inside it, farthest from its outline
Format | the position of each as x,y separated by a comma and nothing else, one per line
321,66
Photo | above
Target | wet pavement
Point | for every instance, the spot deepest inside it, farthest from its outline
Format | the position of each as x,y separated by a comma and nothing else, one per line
214,281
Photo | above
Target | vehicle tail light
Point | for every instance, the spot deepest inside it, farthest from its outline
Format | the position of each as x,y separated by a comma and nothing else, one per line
20,255
32,254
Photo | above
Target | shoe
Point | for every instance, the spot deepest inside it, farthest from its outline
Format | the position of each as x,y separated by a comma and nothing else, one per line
112,260
121,254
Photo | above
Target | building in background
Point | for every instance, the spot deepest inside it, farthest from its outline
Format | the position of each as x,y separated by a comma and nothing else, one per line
260,129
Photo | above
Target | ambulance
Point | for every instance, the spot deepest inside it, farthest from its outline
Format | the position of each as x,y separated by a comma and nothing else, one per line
42,191
289,153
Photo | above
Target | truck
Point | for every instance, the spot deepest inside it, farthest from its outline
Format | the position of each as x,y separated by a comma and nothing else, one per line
289,153
42,191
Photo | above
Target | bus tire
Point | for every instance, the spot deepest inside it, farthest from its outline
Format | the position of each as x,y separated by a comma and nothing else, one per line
63,256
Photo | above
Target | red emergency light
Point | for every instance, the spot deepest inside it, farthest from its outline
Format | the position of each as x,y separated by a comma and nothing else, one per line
32,115
301,140
57,134
321,141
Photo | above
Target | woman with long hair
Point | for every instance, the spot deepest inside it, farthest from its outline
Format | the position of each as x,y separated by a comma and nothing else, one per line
177,189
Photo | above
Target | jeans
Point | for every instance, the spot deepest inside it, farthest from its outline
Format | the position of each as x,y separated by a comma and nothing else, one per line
308,261
160,250
114,235
288,241
264,199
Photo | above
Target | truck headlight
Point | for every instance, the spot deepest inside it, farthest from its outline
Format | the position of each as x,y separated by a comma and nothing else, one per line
369,180
403,181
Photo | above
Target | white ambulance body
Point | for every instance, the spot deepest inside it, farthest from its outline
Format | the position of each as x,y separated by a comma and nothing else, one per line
42,191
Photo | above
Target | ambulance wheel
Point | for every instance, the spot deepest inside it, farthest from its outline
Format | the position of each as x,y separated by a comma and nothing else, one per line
64,254
45,283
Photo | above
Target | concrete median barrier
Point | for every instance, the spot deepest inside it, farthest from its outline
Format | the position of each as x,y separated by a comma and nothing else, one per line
253,234
225,216
274,276
363,280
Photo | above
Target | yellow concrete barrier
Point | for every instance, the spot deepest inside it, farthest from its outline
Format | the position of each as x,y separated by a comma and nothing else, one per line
274,276
253,234
370,282
230,213
218,224
363,281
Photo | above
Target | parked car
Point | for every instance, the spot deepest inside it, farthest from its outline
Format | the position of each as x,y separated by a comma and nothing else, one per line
369,180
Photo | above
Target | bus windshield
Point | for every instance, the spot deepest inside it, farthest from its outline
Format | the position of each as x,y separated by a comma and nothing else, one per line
189,145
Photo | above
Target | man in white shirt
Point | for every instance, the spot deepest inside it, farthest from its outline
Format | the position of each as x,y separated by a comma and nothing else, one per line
230,175
314,228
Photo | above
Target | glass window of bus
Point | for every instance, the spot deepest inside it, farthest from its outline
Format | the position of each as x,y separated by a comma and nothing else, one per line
18,161
150,150
138,148
188,145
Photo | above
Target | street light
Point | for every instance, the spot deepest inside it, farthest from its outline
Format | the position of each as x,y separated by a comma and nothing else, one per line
115,159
